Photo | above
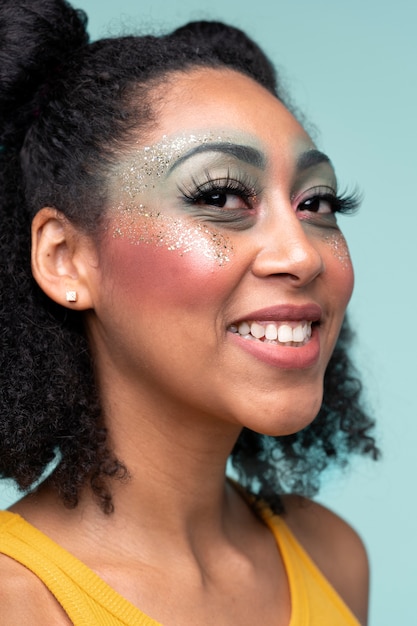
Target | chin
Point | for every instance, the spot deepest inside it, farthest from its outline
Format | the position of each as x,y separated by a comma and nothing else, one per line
279,420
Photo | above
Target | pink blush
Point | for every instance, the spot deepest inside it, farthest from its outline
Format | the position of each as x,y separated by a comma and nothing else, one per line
144,270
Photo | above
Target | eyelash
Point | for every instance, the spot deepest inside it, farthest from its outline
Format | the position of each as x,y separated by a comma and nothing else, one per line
245,189
242,188
346,203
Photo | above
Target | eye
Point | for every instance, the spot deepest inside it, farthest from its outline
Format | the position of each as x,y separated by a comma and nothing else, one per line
325,203
223,199
226,193
229,200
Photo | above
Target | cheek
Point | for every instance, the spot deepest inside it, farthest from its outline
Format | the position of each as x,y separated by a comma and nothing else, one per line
339,248
339,265
333,249
149,274
166,256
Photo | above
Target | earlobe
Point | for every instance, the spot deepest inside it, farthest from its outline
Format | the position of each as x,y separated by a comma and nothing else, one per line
60,264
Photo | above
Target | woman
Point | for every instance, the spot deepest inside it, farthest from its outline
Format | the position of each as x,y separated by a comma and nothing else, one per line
186,290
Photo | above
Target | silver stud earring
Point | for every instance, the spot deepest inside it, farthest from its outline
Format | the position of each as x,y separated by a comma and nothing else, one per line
71,296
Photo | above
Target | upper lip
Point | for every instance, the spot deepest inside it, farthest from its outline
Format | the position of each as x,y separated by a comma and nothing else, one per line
285,312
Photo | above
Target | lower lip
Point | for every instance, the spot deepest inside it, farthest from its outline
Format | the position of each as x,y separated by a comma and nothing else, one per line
284,357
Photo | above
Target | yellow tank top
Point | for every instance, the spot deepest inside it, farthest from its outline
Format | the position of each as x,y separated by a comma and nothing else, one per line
89,601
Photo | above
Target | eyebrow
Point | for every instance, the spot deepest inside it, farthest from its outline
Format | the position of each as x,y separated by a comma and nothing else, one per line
310,158
247,154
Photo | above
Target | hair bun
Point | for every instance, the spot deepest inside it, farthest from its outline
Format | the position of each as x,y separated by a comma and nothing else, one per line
231,46
36,37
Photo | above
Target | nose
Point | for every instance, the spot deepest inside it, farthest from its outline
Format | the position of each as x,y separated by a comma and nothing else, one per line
287,249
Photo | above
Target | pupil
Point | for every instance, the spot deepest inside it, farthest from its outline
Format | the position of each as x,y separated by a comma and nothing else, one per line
218,199
313,204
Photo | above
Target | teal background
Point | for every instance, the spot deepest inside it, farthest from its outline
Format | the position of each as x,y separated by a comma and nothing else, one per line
351,68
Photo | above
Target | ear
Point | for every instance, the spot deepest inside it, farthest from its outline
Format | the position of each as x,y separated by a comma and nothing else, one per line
63,259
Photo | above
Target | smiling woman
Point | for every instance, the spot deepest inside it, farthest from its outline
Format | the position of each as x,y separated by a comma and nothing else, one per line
174,288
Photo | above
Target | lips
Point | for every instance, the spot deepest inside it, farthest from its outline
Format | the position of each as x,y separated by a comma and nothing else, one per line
271,335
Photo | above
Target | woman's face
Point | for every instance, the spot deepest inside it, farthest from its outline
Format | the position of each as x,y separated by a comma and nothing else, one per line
223,277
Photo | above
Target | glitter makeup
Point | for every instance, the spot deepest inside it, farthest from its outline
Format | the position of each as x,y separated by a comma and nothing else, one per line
175,234
139,181
339,247
152,162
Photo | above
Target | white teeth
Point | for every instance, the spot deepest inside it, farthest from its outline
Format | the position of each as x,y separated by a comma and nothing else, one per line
286,333
243,328
298,333
271,332
257,330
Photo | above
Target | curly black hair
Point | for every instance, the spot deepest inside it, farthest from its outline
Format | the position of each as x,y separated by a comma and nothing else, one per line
68,108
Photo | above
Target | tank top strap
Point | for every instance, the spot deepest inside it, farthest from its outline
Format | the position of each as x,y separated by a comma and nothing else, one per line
85,597
314,602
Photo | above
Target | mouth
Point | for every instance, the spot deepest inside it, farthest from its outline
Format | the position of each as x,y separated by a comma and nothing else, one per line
285,336
280,333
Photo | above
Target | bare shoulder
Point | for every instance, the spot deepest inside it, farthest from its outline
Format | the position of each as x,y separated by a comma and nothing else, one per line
336,549
24,599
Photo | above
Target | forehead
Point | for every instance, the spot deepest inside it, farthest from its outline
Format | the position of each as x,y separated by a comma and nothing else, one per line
205,98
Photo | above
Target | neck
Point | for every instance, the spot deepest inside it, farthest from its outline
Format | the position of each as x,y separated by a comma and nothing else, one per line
176,499
176,467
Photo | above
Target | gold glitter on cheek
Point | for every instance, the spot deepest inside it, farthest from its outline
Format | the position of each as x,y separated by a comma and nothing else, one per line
143,227
338,244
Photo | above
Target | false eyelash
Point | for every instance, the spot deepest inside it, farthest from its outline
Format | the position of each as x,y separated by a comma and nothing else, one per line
242,187
346,203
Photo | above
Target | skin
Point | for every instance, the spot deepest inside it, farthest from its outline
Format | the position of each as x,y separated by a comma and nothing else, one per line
177,388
